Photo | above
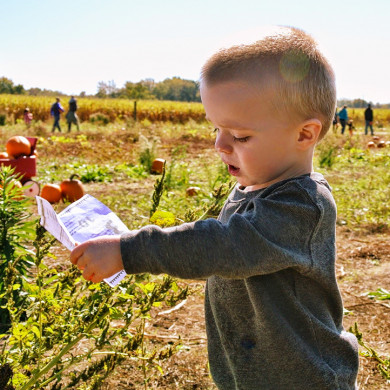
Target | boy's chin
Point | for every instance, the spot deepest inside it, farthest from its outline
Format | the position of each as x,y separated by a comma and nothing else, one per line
251,186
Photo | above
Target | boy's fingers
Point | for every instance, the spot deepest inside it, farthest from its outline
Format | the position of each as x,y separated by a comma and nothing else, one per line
76,254
88,273
81,263
95,279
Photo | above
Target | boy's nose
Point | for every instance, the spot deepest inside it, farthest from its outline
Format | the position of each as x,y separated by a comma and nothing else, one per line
222,144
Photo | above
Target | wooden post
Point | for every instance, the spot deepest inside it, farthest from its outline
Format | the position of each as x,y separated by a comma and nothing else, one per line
135,111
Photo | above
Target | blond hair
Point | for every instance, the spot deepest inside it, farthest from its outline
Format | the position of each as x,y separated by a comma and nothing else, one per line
290,63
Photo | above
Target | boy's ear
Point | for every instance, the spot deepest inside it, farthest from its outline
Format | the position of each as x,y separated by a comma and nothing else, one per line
308,133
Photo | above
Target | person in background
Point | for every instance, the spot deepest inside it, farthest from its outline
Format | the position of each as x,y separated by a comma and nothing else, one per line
27,116
335,121
71,116
55,112
369,118
351,127
273,308
343,118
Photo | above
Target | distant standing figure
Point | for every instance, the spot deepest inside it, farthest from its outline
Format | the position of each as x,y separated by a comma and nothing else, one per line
335,121
351,127
27,116
343,118
71,116
55,111
369,117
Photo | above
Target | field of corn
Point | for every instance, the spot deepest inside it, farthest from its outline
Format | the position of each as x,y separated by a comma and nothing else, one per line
149,333
111,110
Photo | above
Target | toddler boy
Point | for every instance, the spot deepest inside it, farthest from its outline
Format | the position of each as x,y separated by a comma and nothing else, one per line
273,307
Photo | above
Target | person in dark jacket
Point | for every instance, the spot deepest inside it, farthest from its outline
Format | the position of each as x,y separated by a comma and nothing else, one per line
368,117
55,111
71,116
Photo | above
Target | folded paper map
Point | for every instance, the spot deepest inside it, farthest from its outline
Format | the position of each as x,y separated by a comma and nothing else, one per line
84,219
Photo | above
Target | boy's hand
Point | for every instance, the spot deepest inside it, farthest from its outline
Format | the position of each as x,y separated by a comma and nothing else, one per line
98,258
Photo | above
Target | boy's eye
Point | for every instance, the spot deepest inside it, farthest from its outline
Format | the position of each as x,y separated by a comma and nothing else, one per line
238,139
243,139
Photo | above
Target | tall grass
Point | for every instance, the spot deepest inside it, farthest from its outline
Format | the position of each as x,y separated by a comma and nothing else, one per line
115,109
360,179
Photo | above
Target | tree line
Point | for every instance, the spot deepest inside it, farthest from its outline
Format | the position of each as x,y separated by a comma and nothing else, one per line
175,89
360,103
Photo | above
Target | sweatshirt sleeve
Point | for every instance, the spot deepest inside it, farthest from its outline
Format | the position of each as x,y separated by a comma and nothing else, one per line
273,233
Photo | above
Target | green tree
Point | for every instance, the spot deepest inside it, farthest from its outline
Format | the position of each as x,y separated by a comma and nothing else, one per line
177,89
141,90
108,89
6,85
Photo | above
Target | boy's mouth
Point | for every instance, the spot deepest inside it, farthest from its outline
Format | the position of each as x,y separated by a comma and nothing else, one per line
233,170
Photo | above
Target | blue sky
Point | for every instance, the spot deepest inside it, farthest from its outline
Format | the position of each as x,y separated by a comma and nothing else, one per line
72,45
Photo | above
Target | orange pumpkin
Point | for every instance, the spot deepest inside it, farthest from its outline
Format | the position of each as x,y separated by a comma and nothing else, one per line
381,144
158,165
4,155
192,191
18,146
371,144
72,189
51,192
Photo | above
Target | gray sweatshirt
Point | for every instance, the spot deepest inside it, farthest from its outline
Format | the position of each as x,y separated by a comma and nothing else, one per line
273,308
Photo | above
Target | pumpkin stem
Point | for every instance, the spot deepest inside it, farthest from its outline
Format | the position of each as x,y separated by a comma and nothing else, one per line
73,176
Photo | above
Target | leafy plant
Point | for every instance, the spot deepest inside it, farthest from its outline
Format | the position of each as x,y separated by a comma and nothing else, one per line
99,118
158,192
177,153
380,294
75,332
15,258
147,152
369,352
94,173
327,157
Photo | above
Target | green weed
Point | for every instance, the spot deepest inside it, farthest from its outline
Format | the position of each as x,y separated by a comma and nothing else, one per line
60,311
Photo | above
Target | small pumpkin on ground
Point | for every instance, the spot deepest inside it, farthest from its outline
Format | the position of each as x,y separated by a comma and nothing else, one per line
72,189
4,155
381,144
158,166
17,146
192,191
51,192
